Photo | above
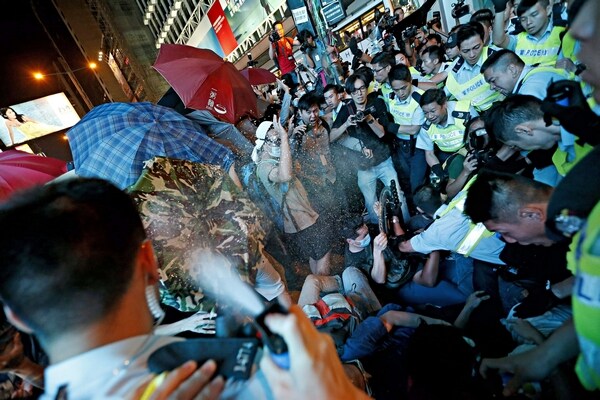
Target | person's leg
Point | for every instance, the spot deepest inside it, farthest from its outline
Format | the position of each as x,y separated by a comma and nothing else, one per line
441,295
459,271
386,173
314,285
418,169
367,183
357,288
322,266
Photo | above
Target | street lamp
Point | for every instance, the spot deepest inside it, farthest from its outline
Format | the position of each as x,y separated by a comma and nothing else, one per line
39,75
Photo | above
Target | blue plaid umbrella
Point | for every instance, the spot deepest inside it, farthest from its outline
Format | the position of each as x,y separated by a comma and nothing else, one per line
113,140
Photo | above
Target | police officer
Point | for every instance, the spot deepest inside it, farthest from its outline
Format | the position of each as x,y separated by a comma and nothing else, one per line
444,127
408,117
465,81
507,73
541,41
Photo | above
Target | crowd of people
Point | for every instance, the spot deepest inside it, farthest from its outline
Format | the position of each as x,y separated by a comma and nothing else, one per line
458,171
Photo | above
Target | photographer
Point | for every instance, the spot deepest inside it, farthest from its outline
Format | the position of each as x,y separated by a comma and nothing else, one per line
281,51
363,119
315,56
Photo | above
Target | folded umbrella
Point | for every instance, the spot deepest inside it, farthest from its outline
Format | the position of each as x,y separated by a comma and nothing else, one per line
204,81
20,170
115,139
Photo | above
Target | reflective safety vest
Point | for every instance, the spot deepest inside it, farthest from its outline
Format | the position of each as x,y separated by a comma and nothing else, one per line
568,47
476,90
541,68
451,138
386,90
544,53
584,261
476,231
403,113
561,161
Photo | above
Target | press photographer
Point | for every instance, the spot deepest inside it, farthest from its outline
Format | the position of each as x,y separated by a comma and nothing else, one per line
366,142
315,57
281,51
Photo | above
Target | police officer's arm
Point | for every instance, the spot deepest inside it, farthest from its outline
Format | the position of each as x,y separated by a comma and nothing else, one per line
404,129
431,158
536,364
499,36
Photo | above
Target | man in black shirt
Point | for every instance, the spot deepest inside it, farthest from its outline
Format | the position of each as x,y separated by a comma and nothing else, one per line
363,121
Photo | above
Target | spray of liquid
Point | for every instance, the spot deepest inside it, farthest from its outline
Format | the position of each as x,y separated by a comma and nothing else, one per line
216,276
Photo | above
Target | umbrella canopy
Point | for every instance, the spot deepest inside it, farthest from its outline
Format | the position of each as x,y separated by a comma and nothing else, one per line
187,207
20,170
258,76
204,81
115,139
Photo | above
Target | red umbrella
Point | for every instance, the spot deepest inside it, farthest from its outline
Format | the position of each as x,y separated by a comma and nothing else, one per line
20,170
258,76
204,81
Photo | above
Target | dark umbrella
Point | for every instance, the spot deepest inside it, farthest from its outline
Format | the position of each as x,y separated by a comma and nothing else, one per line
258,76
204,81
115,139
20,170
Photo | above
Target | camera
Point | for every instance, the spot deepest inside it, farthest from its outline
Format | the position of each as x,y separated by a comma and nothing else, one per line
410,32
482,156
432,22
274,36
459,9
361,114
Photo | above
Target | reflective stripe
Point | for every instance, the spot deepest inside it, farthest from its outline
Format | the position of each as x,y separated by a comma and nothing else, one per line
476,231
561,161
545,53
403,113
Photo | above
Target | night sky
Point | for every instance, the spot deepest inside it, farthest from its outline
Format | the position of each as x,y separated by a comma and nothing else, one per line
25,48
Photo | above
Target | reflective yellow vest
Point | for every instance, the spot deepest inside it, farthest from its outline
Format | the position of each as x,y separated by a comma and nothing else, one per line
545,53
451,138
584,262
403,113
476,90
541,68
476,231
568,47
561,161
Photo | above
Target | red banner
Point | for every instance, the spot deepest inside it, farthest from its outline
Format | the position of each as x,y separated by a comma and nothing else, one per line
222,28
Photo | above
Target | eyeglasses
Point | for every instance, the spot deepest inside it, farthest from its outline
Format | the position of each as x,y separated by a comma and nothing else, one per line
377,70
363,87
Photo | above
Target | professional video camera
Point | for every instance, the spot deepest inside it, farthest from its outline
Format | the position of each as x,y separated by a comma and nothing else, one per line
410,32
459,9
274,36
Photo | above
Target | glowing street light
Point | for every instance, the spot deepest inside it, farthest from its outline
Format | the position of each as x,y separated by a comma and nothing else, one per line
40,76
